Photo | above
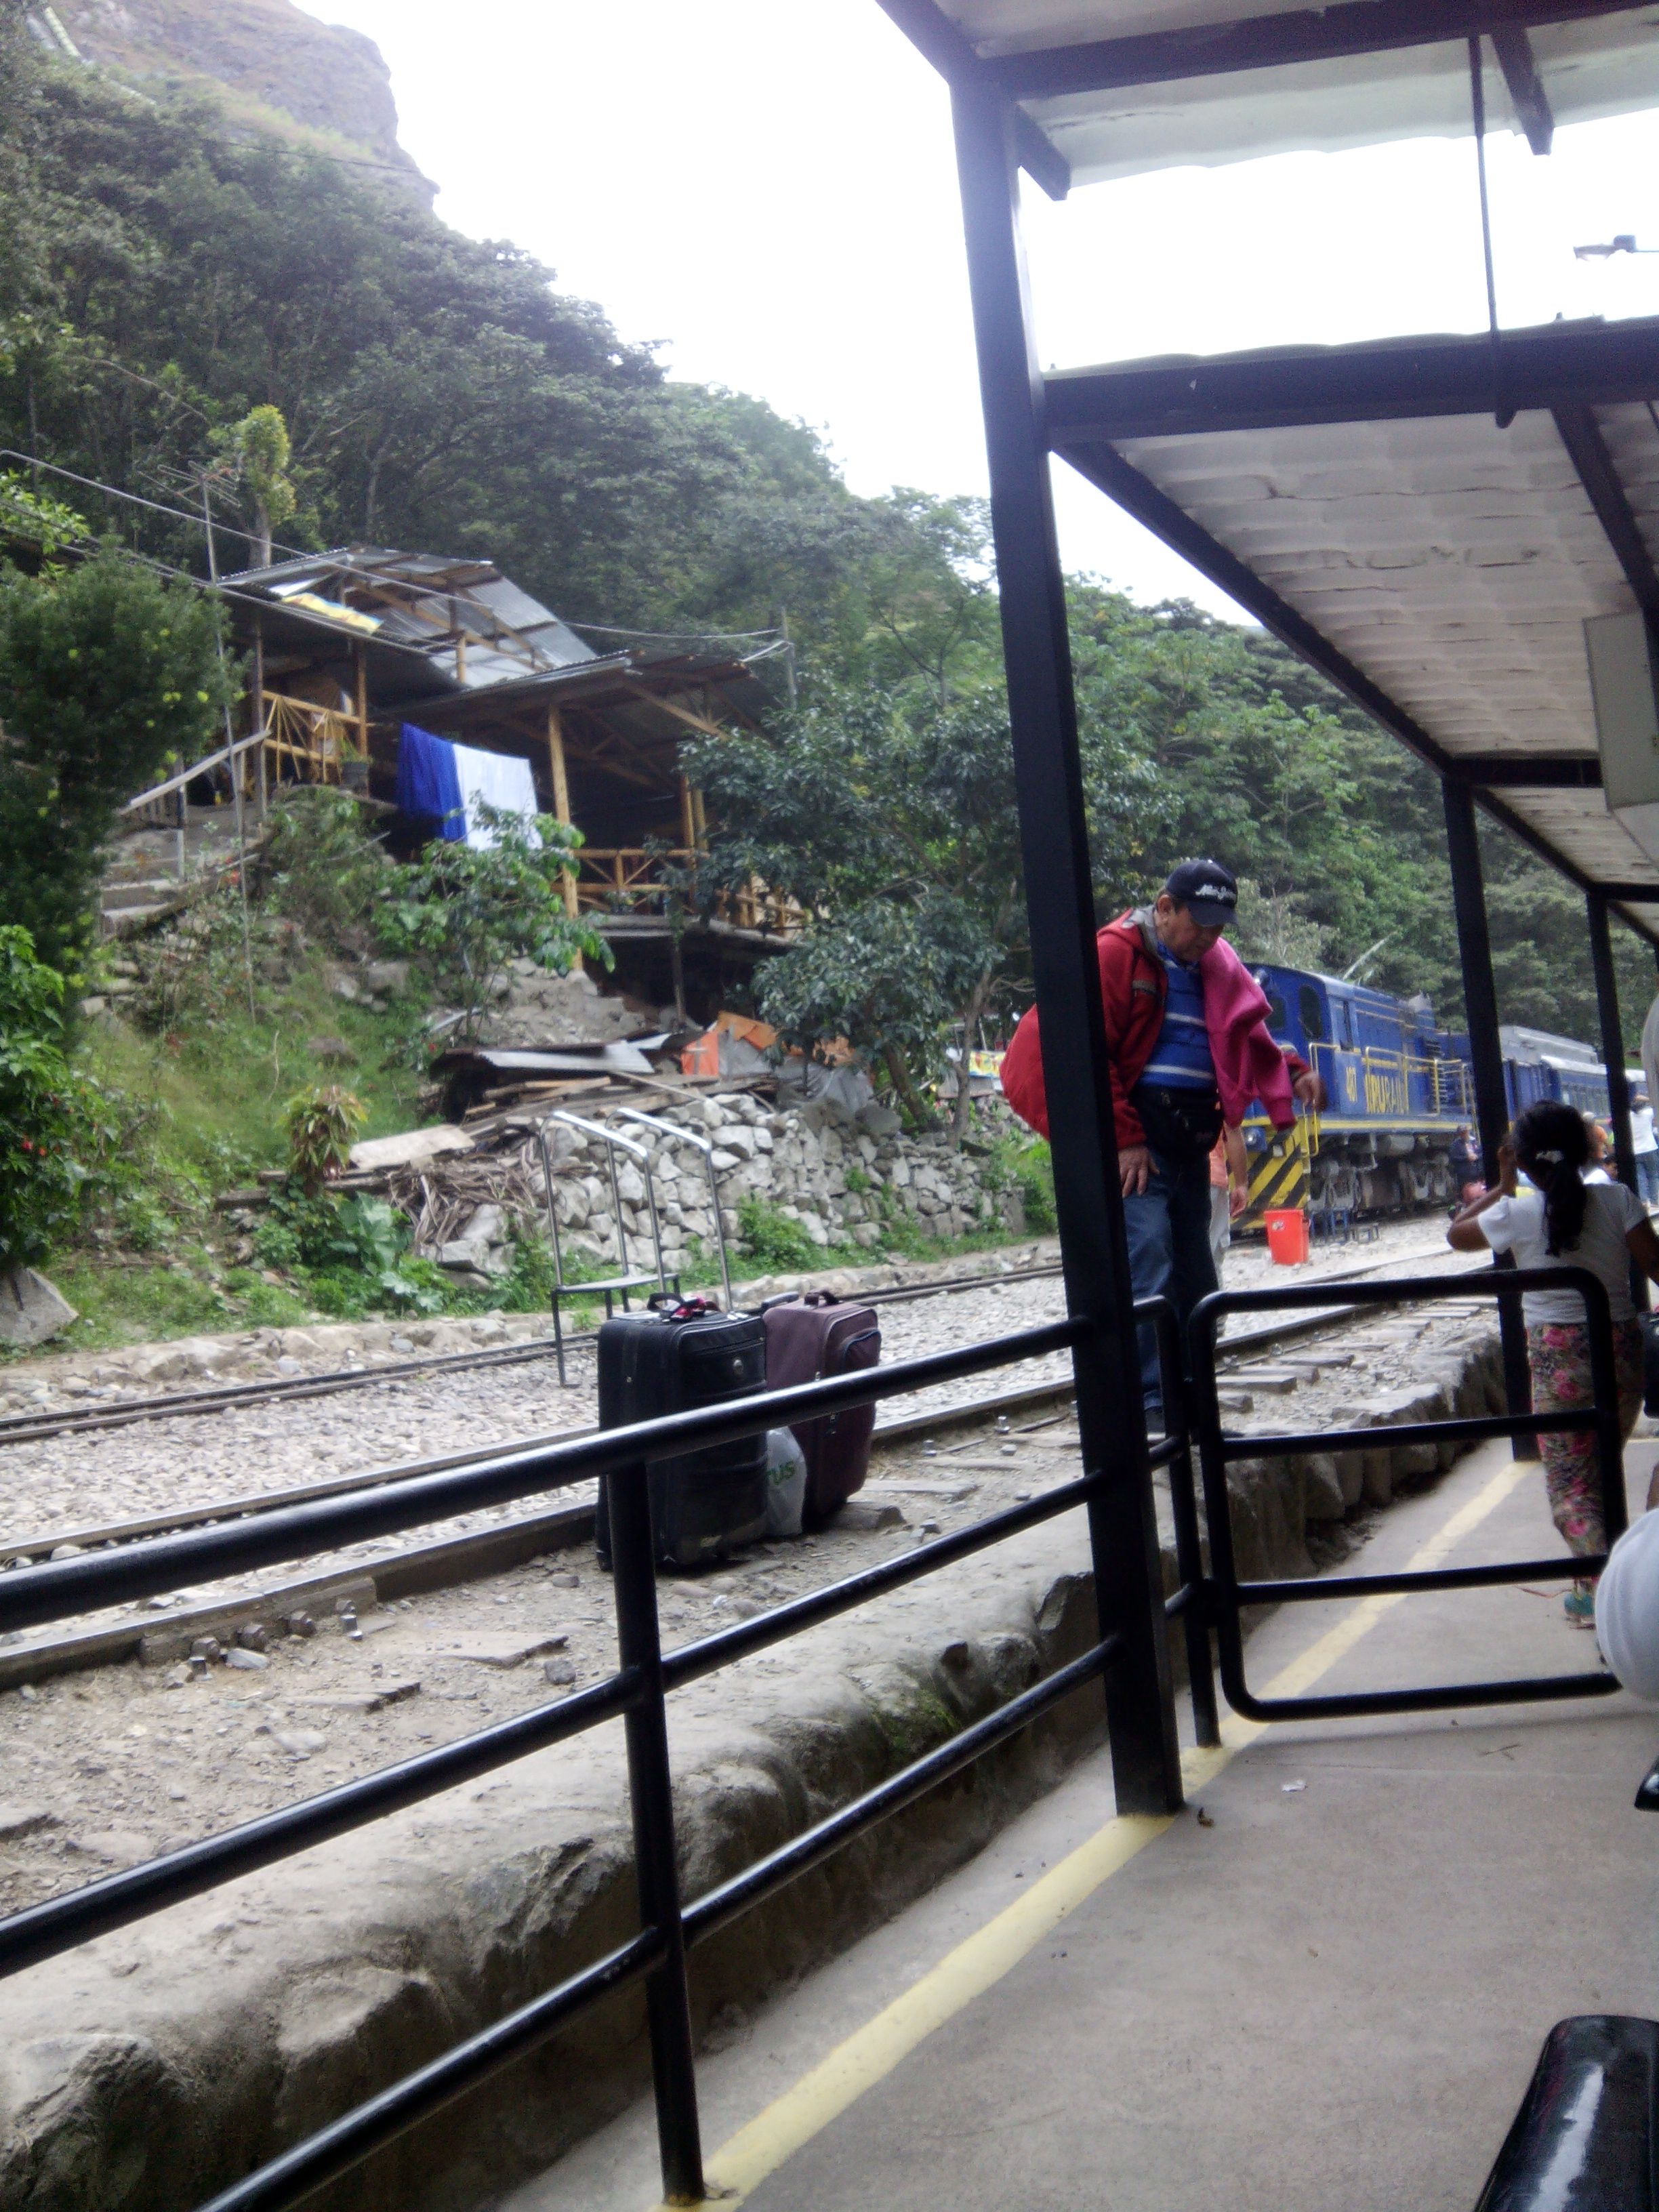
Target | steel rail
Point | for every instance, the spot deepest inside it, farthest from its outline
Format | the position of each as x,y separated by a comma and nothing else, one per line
30,1596
31,1428
1247,1344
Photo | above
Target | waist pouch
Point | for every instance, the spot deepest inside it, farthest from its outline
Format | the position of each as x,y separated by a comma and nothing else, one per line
1182,1125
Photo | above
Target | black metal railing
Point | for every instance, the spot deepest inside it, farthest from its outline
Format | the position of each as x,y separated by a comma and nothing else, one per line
1219,1596
635,1693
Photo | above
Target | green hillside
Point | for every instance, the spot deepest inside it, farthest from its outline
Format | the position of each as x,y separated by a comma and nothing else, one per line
166,266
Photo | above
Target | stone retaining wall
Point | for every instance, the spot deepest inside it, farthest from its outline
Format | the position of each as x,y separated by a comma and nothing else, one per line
149,2069
837,1176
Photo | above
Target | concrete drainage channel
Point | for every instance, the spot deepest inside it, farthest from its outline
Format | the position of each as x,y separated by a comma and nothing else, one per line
153,2066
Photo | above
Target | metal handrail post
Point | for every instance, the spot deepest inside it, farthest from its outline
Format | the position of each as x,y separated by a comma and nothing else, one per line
558,1259
614,1144
1486,1058
700,1144
656,1870
1183,1503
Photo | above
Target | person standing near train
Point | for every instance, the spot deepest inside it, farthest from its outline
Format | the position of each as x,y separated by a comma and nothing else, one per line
1645,1143
1463,1161
1566,1220
1190,1052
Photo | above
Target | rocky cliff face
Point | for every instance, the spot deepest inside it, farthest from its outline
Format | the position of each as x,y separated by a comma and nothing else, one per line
273,66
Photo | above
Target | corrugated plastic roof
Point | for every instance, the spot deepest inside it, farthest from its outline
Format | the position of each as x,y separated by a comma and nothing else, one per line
1451,562
1138,103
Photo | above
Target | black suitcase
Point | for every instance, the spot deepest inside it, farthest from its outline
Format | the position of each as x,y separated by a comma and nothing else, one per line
678,1356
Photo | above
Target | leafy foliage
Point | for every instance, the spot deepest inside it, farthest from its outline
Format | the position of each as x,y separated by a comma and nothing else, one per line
892,819
321,1123
325,871
41,1175
351,1254
772,1241
467,910
105,675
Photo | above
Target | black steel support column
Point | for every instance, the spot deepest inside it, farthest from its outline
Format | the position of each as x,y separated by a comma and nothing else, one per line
1486,1057
1613,1037
1043,713
1613,1059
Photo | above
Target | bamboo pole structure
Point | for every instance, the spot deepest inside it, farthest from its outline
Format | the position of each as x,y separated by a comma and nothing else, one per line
561,793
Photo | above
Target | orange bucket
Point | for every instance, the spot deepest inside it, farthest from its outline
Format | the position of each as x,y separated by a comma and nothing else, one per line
1287,1234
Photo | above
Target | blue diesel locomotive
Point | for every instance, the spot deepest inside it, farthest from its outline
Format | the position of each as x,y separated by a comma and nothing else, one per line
1398,1087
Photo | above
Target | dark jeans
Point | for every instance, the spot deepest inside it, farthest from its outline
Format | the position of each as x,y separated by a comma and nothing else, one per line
1647,1177
1168,1227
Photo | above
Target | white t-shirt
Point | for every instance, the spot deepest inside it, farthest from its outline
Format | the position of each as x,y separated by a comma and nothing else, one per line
1611,1211
1642,1136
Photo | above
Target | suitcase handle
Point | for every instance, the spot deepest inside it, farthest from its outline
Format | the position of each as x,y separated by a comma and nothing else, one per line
777,1299
679,1309
831,1420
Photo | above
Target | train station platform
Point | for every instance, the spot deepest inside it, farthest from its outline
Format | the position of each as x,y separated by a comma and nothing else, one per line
1322,1988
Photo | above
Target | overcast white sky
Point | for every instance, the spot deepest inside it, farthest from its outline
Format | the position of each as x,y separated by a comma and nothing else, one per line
766,186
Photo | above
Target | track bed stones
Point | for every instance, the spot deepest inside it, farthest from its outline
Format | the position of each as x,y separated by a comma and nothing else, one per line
273,2004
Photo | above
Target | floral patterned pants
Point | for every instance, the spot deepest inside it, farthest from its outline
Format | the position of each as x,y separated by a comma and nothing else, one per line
1560,1355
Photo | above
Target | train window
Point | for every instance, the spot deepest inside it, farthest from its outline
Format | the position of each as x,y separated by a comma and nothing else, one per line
1277,1016
1340,1033
1311,1007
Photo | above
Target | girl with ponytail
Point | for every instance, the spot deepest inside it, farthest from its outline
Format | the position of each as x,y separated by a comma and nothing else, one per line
1598,1226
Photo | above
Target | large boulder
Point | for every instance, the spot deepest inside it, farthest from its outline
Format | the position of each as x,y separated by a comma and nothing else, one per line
31,1308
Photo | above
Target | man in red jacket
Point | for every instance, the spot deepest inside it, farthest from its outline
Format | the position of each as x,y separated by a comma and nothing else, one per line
1187,1034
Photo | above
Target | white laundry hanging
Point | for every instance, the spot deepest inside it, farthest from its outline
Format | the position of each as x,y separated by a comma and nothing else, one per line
499,779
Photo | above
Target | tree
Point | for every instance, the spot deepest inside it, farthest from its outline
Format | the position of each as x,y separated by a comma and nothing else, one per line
260,445
467,910
40,1178
893,822
105,675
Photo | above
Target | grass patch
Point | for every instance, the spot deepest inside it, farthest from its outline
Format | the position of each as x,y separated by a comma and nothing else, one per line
144,1303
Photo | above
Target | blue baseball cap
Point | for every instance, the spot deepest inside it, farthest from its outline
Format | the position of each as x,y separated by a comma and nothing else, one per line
1208,891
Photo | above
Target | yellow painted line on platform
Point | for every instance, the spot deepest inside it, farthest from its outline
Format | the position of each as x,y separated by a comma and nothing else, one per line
981,1959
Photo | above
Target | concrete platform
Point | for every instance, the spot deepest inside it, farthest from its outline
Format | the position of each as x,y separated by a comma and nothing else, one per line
1325,1995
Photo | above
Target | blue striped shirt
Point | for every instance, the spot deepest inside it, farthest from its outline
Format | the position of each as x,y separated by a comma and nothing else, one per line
1181,1057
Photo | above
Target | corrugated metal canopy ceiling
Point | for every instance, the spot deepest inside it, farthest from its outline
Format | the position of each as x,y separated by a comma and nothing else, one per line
1118,87
1448,563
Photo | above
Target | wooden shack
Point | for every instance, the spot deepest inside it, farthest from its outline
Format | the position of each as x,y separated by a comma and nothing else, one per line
347,646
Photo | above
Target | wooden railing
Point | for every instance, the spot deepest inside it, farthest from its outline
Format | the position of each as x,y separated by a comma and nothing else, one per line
312,739
628,879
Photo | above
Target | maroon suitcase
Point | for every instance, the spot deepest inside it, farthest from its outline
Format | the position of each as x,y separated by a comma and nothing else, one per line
808,1341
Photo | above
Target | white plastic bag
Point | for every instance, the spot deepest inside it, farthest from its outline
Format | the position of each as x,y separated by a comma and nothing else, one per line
785,1483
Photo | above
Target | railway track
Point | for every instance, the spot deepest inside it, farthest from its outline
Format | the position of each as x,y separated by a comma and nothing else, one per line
452,1561
31,1428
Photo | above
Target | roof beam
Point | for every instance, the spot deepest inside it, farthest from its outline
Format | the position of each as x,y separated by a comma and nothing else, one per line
937,38
1527,95
1554,366
1138,496
1253,42
1527,771
1581,433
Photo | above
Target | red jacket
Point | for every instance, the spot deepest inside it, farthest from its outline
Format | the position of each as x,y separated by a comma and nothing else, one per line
1133,989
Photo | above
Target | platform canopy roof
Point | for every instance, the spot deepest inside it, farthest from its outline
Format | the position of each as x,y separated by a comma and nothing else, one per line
1112,88
1362,502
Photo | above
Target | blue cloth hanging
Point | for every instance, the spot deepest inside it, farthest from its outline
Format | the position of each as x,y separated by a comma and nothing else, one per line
428,784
